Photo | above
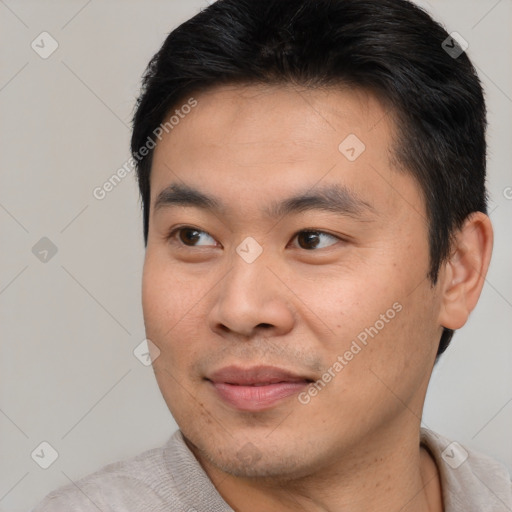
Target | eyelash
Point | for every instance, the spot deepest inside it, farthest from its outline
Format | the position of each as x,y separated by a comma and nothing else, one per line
172,234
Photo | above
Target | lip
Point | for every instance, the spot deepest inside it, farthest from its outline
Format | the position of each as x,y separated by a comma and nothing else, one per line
256,388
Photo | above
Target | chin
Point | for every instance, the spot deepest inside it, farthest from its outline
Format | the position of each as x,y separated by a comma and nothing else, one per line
261,460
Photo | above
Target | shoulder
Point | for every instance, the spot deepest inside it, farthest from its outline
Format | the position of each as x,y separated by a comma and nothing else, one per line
470,480
144,482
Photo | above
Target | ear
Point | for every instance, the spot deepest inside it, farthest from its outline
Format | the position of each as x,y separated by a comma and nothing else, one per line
464,273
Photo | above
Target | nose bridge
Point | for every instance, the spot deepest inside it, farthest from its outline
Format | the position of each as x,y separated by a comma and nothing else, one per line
248,282
249,261
250,295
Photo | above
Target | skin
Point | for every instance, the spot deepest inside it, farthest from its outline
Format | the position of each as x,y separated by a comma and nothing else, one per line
355,445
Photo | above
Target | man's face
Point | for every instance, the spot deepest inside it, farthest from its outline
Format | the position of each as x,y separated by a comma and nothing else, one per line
338,295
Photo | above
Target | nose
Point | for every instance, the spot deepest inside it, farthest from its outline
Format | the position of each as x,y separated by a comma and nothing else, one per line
252,300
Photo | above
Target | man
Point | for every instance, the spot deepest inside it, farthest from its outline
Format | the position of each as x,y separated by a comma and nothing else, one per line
313,182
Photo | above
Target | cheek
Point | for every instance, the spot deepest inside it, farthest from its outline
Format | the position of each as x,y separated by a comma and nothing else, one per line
400,357
344,301
165,299
157,298
384,305
173,309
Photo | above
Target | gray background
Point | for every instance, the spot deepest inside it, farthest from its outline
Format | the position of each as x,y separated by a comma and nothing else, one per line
69,325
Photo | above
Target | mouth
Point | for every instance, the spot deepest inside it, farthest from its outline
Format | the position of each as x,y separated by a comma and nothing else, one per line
256,388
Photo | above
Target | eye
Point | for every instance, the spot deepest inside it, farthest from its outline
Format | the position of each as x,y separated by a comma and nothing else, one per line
309,239
190,236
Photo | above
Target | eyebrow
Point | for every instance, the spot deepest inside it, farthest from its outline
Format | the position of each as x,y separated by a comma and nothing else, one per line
331,198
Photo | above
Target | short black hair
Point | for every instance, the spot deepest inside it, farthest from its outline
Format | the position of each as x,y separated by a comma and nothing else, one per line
391,48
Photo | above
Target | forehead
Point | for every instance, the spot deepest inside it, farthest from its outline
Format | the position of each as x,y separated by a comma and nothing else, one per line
251,142
284,118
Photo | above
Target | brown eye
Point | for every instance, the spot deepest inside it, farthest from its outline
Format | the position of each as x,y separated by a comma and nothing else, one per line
313,239
189,236
192,237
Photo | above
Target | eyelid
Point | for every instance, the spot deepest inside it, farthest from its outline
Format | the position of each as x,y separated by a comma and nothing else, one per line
316,230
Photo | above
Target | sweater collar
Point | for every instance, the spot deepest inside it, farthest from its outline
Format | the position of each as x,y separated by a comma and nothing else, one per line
469,480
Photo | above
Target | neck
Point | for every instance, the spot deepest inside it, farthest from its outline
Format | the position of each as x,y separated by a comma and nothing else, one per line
388,471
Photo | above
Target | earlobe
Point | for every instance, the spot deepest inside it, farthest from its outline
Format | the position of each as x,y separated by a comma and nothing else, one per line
464,273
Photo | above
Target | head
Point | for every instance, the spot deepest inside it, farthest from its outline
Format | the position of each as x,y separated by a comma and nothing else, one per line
350,147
